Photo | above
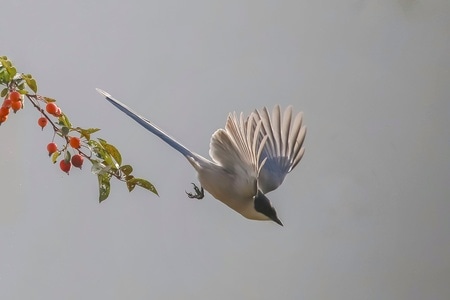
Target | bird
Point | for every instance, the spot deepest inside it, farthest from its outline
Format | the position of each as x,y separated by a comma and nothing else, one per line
250,157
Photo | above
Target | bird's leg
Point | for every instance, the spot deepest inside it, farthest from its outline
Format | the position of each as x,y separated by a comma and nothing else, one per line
199,192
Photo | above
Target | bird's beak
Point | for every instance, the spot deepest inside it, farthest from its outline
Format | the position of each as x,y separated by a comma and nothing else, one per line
276,220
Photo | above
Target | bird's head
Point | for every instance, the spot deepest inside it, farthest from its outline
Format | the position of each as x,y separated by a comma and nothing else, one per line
262,205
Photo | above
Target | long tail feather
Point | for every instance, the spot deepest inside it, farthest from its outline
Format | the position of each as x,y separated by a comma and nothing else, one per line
148,125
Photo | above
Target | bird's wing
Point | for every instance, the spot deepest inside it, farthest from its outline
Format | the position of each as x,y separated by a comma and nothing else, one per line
282,139
237,148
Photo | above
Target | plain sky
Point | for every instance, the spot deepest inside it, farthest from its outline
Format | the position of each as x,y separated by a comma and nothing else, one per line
366,212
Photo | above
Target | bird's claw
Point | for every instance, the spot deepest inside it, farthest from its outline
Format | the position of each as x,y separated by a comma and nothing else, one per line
199,192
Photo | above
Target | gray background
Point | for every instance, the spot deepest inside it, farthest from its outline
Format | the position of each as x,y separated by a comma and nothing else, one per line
365,212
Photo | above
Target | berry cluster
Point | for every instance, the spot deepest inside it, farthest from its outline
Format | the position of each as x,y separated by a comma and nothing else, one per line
77,145
65,164
12,101
74,142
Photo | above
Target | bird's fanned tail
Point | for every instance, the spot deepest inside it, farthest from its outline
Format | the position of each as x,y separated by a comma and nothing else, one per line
283,148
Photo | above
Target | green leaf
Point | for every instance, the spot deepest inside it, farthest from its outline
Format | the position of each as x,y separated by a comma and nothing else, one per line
104,186
131,184
86,133
23,92
100,152
55,156
114,153
126,169
12,71
5,62
31,83
111,151
67,156
65,130
97,149
6,77
64,121
48,99
4,92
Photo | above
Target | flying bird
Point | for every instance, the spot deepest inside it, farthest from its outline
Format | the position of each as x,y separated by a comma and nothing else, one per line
250,157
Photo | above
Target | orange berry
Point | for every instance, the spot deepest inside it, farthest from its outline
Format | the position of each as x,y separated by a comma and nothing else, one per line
65,166
42,121
3,119
7,103
51,108
52,148
75,142
4,111
77,160
16,105
58,112
14,96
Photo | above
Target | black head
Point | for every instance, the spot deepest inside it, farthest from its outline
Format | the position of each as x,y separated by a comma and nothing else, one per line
263,205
